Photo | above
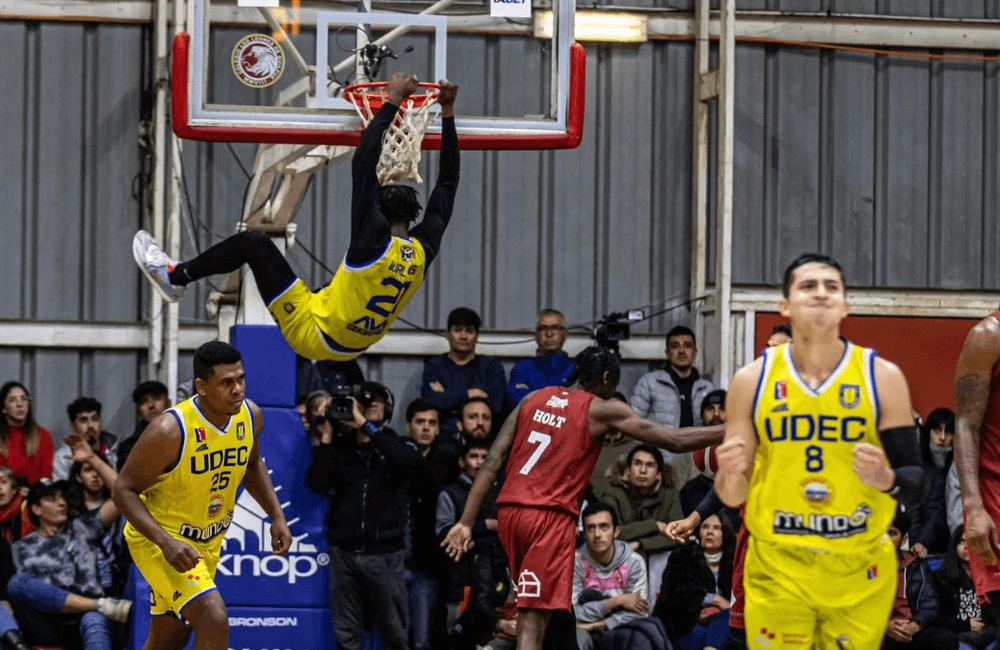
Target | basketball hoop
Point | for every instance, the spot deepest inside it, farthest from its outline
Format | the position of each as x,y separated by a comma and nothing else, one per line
401,144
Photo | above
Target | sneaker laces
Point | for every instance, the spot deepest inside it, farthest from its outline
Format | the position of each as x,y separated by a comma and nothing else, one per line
156,257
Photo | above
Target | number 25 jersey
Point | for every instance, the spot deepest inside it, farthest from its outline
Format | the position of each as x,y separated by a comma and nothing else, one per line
553,454
804,491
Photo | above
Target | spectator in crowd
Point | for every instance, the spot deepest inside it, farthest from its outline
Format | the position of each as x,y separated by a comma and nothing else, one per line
88,492
609,579
151,399
365,473
435,467
673,396
611,464
475,419
550,365
14,521
317,424
450,504
916,609
85,420
697,588
10,635
489,620
780,334
953,499
57,590
713,411
644,503
25,447
929,532
454,377
960,608
300,406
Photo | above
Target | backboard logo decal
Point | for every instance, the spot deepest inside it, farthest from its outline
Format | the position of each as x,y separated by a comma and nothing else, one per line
258,60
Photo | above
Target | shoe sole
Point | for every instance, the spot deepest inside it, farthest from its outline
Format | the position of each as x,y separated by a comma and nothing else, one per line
137,251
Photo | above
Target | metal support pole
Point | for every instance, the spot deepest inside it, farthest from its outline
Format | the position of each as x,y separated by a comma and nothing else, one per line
173,244
161,82
724,222
699,164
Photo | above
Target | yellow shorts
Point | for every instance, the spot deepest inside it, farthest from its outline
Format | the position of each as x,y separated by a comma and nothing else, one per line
171,591
802,598
292,311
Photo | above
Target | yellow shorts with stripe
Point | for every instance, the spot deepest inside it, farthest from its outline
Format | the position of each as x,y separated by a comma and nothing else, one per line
171,591
802,598
292,311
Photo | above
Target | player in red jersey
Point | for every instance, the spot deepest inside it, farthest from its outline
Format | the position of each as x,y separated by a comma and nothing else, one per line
554,438
977,451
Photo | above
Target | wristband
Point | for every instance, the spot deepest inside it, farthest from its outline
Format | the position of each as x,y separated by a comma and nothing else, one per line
369,428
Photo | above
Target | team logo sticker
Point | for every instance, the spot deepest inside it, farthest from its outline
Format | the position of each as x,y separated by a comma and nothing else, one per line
241,431
199,434
781,390
215,506
407,253
850,395
258,60
816,492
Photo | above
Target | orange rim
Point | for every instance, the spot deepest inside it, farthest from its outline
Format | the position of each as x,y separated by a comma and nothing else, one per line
375,93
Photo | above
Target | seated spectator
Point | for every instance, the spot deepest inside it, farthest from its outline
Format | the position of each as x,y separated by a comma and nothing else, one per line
10,635
87,493
14,522
85,420
490,617
644,502
912,623
318,427
697,588
929,532
57,591
25,447
780,334
454,377
713,411
475,419
450,504
960,608
151,399
550,365
610,467
609,579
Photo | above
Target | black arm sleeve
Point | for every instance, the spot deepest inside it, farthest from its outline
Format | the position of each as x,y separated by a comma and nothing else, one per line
710,505
903,452
430,230
363,169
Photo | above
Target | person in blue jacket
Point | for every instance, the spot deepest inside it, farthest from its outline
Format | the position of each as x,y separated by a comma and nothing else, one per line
550,366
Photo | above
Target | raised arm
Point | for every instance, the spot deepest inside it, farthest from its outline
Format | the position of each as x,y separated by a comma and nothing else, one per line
257,482
157,449
84,453
972,392
441,203
607,415
736,452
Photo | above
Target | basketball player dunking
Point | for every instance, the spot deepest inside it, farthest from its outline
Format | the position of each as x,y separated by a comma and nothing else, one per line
810,426
977,451
554,438
178,491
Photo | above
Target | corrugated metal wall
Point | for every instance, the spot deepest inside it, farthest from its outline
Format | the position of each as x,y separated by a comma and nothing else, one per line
888,164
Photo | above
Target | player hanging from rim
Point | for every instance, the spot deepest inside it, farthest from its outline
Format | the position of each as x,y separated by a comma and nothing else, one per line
977,451
810,426
554,438
384,266
178,491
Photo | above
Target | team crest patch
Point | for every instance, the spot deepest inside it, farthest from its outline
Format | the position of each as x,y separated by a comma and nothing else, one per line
241,431
215,506
199,434
816,492
258,60
407,253
781,389
850,395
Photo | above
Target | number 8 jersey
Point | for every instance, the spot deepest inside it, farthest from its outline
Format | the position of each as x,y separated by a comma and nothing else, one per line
804,491
553,454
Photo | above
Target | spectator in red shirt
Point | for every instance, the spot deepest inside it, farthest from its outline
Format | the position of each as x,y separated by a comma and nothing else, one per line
25,447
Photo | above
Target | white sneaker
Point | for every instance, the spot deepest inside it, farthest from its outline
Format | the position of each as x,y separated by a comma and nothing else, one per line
155,264
115,609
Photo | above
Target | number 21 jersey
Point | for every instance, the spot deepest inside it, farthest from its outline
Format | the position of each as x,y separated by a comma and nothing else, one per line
553,454
804,491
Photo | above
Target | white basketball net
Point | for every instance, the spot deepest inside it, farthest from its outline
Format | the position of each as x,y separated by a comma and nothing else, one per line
400,156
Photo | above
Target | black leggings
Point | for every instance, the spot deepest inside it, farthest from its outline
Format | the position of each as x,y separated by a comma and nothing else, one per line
269,266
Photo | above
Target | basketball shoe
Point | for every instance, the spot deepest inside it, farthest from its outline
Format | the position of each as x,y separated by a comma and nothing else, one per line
156,266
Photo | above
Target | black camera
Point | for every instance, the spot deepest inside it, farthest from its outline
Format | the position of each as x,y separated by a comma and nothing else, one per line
342,408
615,327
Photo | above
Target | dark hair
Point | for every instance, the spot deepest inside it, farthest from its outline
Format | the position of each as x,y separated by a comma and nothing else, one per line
40,490
940,417
82,405
211,354
717,396
591,364
681,330
649,449
782,328
901,522
420,405
465,317
802,260
473,400
596,507
151,387
468,444
399,203
77,488
951,575
728,534
32,434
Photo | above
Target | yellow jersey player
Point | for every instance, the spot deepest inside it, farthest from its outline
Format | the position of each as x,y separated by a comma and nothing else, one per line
820,444
384,266
178,491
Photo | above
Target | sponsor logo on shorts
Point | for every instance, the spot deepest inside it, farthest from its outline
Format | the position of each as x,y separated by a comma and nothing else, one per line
557,402
844,642
215,506
288,307
241,431
824,525
177,595
258,60
817,492
193,580
528,585
765,637
794,638
850,395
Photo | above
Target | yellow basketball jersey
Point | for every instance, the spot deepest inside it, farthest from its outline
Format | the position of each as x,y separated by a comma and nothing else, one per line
804,491
194,499
361,302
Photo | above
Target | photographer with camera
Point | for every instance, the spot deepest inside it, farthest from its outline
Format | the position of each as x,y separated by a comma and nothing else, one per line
364,468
